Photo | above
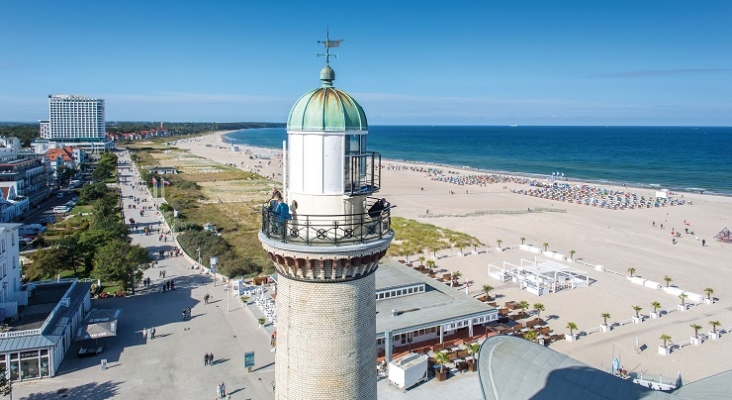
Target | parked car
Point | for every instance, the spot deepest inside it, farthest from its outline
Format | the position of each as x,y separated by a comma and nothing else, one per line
75,199
60,195
61,209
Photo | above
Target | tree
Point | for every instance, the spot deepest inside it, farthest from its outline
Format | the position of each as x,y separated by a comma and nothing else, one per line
523,239
523,305
571,326
6,384
631,271
605,316
571,254
667,279
709,291
531,336
421,261
714,325
72,252
486,290
538,307
637,310
665,338
456,276
472,349
498,243
696,328
546,246
656,305
90,193
683,297
430,264
119,261
441,359
46,263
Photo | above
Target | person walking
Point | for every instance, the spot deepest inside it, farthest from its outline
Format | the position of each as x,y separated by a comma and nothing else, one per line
218,391
223,390
152,333
205,359
210,359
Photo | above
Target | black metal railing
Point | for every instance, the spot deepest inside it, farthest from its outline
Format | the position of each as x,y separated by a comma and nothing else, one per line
328,230
363,174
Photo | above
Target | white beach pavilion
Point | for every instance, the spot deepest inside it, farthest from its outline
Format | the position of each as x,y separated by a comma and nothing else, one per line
540,276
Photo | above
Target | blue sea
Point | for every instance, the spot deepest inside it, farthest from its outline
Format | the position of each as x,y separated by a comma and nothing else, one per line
676,158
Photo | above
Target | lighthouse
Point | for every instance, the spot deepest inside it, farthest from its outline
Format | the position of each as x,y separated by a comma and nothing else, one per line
326,243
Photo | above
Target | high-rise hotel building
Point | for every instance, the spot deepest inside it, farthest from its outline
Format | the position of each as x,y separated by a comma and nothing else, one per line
75,118
73,121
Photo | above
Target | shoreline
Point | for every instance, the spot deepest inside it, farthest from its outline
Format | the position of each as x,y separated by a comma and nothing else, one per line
616,239
528,175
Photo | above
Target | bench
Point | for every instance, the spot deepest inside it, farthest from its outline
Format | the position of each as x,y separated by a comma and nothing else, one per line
90,351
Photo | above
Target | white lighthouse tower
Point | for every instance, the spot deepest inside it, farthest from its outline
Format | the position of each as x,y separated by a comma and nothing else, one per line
326,254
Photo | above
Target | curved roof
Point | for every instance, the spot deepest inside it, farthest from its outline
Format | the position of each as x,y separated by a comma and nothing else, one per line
513,368
327,109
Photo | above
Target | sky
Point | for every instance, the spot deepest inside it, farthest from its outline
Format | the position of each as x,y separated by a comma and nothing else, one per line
653,62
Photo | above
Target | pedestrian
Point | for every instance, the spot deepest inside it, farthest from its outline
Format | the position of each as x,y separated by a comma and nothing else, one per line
188,313
218,391
210,359
152,333
704,242
184,314
205,359
223,390
205,298
172,284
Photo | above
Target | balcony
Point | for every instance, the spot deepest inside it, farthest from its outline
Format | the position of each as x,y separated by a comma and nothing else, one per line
328,230
363,174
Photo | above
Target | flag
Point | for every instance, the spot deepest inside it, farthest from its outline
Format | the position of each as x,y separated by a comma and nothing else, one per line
166,183
154,181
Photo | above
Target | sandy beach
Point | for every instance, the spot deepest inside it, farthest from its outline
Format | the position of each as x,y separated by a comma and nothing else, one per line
615,239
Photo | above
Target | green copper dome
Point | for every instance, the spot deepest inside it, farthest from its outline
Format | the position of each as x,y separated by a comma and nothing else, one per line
327,109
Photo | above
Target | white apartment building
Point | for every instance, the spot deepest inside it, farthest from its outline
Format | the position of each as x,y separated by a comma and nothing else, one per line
74,118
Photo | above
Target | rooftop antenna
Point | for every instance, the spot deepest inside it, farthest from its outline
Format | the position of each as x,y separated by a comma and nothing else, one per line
328,44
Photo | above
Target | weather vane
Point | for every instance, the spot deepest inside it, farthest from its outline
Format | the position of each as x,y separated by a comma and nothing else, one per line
328,44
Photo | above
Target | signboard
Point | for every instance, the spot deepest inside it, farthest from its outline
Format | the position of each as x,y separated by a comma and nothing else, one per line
249,359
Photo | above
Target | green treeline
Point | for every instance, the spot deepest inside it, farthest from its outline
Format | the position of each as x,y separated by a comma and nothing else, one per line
96,245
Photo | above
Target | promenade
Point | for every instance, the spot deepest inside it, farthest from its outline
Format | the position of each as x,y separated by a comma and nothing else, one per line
171,366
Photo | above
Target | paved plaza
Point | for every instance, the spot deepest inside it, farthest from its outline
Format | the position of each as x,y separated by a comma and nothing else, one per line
171,366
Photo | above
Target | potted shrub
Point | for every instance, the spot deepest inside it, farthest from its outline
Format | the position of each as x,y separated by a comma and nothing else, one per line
245,299
571,255
631,271
523,305
546,246
664,350
473,349
523,239
486,290
637,319
498,245
431,267
696,340
456,276
655,314
668,280
605,327
261,322
714,335
421,261
441,359
531,336
571,337
709,291
538,307
682,305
